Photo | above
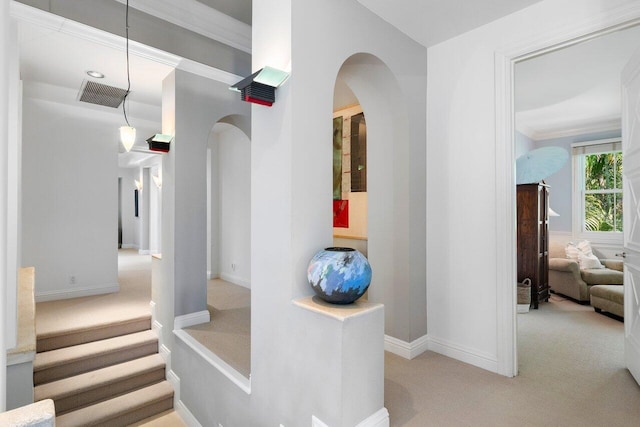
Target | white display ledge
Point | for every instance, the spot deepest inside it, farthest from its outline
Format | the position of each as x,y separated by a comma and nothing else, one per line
339,312
25,350
214,360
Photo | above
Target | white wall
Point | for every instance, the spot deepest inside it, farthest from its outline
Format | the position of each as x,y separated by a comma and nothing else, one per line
462,269
69,199
298,366
13,198
155,207
5,56
191,107
291,198
234,181
523,144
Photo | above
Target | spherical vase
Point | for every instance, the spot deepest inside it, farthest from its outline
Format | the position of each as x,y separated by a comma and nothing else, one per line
339,275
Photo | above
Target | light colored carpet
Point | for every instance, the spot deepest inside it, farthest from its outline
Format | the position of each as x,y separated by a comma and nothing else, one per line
166,419
571,374
134,276
228,335
571,363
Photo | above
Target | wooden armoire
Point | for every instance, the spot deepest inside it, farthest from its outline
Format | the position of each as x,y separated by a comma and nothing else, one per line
533,239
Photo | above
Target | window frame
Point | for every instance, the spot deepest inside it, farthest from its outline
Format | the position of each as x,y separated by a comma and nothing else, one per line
579,191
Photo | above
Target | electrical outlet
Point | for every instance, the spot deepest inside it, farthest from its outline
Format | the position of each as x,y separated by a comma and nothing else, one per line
233,266
72,280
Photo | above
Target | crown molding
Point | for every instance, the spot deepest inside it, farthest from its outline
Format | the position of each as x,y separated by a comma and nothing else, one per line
208,72
594,127
199,18
63,25
43,19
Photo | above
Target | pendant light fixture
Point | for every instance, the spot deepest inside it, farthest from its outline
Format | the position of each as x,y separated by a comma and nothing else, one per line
127,133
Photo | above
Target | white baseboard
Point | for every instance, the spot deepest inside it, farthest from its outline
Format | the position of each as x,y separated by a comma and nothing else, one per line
405,349
129,246
463,354
315,422
424,343
182,410
67,293
186,415
186,320
236,280
156,326
378,419
165,353
144,252
154,313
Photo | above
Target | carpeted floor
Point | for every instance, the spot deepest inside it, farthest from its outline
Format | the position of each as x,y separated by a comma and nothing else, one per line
571,374
570,358
228,335
134,276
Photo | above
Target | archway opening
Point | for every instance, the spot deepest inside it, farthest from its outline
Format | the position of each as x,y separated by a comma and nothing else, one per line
228,334
396,254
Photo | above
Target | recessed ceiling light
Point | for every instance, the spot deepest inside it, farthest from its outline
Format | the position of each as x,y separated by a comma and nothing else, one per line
95,74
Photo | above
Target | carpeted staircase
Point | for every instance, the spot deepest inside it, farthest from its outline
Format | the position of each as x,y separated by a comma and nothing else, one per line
106,375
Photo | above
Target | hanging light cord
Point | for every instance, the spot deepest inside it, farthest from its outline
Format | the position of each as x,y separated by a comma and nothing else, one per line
128,76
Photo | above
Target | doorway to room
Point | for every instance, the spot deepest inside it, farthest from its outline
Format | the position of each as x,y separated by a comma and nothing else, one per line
569,100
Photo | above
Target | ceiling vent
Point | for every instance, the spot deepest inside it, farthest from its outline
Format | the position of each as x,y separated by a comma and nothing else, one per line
100,94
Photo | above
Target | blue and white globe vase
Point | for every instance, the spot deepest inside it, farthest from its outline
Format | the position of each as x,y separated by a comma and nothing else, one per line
339,275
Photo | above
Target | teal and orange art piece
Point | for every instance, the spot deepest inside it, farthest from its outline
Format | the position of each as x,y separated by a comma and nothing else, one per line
339,275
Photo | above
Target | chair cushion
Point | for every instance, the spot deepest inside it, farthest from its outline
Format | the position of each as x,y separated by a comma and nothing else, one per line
613,293
614,264
602,276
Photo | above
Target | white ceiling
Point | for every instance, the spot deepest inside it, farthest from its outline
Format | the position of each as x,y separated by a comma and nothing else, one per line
557,90
53,66
574,90
430,22
55,58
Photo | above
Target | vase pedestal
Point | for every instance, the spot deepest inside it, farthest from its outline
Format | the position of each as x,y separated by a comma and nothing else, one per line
345,346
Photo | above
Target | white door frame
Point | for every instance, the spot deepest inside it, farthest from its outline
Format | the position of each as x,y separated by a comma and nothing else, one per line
631,153
505,59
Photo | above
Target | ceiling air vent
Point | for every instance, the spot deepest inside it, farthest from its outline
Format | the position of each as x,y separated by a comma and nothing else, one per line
100,94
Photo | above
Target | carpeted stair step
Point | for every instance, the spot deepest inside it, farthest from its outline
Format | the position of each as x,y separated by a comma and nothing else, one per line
168,418
122,410
69,361
75,336
85,389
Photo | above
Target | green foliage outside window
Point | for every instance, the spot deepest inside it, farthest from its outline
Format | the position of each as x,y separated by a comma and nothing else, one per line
603,192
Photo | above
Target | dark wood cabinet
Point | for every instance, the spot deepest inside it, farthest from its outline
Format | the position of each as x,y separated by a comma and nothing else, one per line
533,239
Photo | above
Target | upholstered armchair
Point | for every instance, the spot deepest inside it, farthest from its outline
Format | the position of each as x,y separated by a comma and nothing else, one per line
566,277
